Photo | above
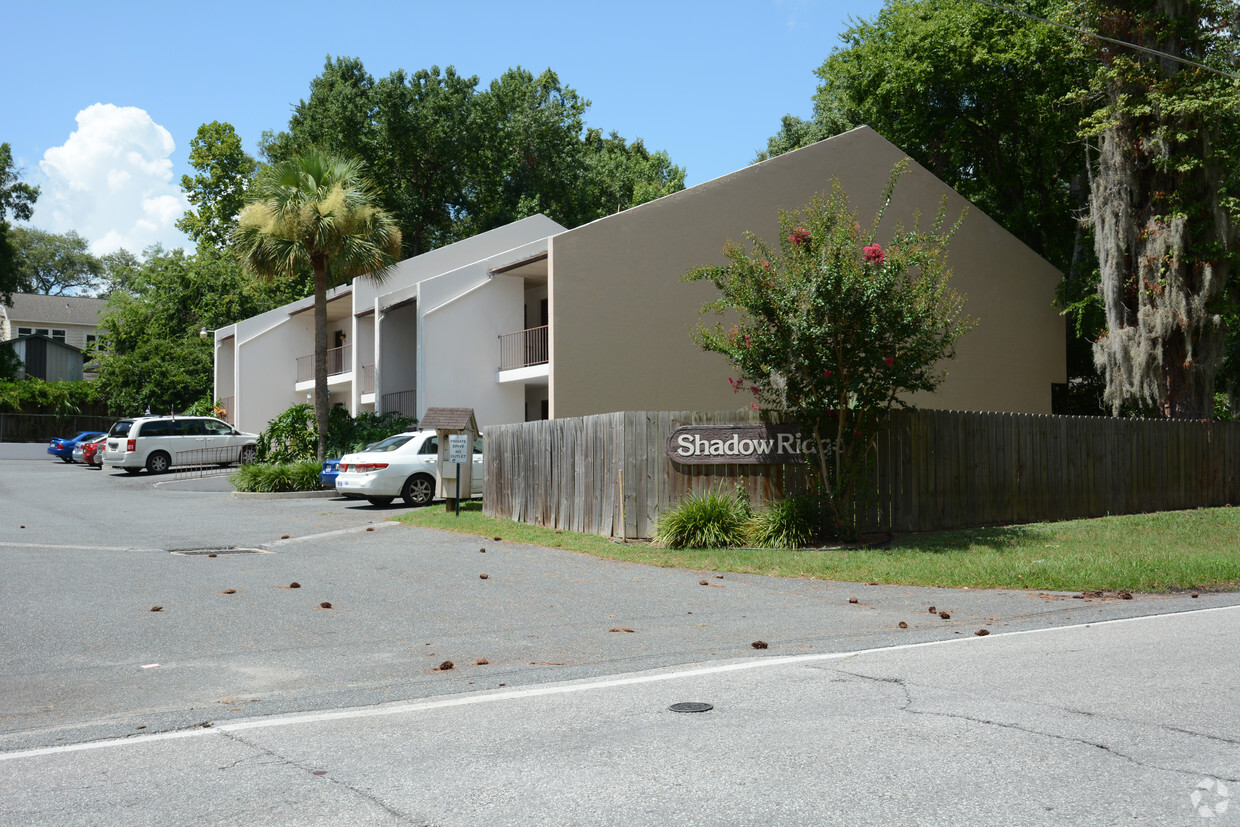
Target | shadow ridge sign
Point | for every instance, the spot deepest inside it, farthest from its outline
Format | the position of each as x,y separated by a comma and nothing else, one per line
739,444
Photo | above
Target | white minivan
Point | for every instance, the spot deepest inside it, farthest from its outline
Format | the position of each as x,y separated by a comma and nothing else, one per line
157,443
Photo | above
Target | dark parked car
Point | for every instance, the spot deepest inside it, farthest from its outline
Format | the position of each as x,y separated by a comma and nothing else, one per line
63,448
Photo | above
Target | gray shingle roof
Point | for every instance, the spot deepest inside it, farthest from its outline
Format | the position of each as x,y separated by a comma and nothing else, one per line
63,309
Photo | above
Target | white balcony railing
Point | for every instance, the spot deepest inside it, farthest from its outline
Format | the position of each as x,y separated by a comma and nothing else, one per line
523,348
339,360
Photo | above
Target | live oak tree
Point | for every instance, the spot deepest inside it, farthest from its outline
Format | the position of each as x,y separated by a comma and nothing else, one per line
455,159
56,264
316,212
1164,143
834,329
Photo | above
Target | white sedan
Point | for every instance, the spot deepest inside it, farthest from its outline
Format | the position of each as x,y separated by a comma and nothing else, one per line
402,466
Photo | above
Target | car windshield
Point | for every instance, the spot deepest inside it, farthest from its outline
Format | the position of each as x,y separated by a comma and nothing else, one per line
389,444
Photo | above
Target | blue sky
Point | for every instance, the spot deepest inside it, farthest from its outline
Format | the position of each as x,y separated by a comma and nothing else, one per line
102,98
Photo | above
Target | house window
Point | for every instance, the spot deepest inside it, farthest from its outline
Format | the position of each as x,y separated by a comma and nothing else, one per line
58,335
25,331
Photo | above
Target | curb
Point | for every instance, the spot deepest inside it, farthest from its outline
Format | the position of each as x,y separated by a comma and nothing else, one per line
283,495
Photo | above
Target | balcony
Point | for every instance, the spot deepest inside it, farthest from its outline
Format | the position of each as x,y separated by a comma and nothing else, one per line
523,349
339,360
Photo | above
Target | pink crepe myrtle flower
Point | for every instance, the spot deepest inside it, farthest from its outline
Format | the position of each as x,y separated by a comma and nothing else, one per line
765,265
799,236
875,254
890,360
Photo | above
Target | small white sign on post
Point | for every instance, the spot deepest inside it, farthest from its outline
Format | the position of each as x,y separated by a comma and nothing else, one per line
458,448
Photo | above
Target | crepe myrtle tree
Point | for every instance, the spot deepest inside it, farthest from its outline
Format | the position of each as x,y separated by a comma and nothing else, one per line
834,329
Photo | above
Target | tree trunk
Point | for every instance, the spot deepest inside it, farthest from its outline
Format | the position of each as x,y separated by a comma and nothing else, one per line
321,399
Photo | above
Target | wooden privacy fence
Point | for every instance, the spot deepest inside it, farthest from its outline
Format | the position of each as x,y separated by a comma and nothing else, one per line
610,475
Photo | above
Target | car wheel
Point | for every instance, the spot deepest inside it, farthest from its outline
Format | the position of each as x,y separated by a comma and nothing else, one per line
158,463
247,454
380,500
67,459
418,490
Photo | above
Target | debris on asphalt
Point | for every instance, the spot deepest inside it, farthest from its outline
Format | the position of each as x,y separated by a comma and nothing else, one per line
620,629
482,551
481,662
229,591
483,576
445,666
982,632
945,615
703,583
157,608
933,610
852,600
294,585
213,554
325,605
283,536
718,576
370,528
759,644
1194,594
903,625
498,539
1125,595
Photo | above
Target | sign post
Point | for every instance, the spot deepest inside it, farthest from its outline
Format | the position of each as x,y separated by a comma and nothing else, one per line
458,452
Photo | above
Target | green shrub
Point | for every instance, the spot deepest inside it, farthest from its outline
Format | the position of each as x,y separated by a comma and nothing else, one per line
278,477
291,436
710,519
793,522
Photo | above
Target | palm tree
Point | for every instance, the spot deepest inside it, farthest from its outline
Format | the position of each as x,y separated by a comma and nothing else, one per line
316,211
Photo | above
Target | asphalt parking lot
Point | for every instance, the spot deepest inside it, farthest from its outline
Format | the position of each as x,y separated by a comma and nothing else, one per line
236,665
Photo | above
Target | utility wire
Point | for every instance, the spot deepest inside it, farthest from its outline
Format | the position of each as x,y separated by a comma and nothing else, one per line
1097,36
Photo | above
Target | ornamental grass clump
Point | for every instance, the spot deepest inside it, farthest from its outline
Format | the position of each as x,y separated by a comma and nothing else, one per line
793,522
277,477
707,519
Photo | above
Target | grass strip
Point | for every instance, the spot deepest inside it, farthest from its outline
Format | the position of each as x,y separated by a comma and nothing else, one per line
1163,552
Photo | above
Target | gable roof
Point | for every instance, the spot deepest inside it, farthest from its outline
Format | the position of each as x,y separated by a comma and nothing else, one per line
29,307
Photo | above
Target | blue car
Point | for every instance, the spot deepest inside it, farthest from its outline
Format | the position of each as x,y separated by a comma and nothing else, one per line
63,448
327,477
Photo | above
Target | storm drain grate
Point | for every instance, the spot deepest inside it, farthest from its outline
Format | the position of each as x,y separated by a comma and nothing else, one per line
207,552
690,707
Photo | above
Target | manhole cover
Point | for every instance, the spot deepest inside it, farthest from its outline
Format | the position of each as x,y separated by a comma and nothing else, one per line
690,707
206,552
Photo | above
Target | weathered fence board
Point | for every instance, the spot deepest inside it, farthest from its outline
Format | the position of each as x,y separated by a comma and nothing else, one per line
610,474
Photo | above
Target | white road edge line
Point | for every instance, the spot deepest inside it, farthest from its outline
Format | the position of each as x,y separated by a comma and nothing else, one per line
563,689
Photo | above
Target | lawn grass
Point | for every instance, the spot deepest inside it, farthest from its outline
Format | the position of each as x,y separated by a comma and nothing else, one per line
1164,552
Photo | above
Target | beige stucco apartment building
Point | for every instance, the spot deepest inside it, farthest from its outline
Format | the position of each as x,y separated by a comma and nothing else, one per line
531,320
617,299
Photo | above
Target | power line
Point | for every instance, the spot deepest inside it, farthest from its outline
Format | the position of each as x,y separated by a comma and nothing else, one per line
1097,36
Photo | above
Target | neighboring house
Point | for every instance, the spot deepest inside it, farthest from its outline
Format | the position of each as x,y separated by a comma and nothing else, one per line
532,321
71,320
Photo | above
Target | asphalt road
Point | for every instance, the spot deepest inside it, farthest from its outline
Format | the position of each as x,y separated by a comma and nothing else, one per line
244,701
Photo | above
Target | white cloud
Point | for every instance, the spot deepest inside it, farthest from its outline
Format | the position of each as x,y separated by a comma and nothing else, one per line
112,182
